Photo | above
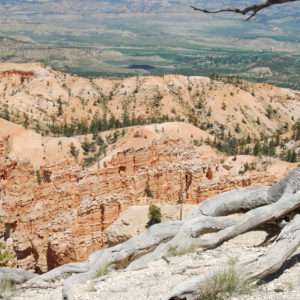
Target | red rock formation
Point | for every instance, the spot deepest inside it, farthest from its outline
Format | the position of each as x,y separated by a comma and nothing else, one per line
22,74
63,218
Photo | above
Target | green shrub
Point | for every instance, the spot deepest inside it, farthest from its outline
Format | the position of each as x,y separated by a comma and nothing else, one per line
5,255
154,215
73,151
137,135
39,178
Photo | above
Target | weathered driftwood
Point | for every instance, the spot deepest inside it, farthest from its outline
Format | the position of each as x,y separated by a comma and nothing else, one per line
190,231
208,225
59,271
284,246
15,275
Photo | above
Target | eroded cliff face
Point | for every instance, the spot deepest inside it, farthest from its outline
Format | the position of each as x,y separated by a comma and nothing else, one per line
63,218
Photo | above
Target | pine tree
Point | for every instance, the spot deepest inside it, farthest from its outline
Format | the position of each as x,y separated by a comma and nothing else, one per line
60,109
256,149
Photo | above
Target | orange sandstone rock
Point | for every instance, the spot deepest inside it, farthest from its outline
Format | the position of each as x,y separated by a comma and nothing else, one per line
63,219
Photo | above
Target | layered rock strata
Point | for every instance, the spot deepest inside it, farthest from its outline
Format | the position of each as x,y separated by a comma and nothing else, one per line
63,218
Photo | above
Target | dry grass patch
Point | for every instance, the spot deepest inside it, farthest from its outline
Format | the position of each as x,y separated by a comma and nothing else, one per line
223,283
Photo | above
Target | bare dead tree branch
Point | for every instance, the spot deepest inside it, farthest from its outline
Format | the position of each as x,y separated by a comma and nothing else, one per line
254,9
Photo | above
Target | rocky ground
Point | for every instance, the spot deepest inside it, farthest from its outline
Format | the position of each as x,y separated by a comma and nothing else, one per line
158,278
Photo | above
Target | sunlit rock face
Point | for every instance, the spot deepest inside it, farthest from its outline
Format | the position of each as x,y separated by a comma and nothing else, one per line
63,218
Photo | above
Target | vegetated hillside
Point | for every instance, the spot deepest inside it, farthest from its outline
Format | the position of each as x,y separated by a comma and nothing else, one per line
57,103
26,144
235,112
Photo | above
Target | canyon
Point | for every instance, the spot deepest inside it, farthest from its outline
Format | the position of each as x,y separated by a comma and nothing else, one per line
63,218
56,209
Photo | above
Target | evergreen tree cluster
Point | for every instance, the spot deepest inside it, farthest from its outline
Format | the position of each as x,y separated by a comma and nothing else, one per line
247,146
103,124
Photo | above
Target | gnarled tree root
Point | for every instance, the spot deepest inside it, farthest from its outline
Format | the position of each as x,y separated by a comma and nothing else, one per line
188,235
284,246
15,275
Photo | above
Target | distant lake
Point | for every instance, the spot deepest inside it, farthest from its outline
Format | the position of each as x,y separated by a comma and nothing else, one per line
144,67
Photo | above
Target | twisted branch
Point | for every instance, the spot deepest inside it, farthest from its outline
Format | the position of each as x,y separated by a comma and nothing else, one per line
253,8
